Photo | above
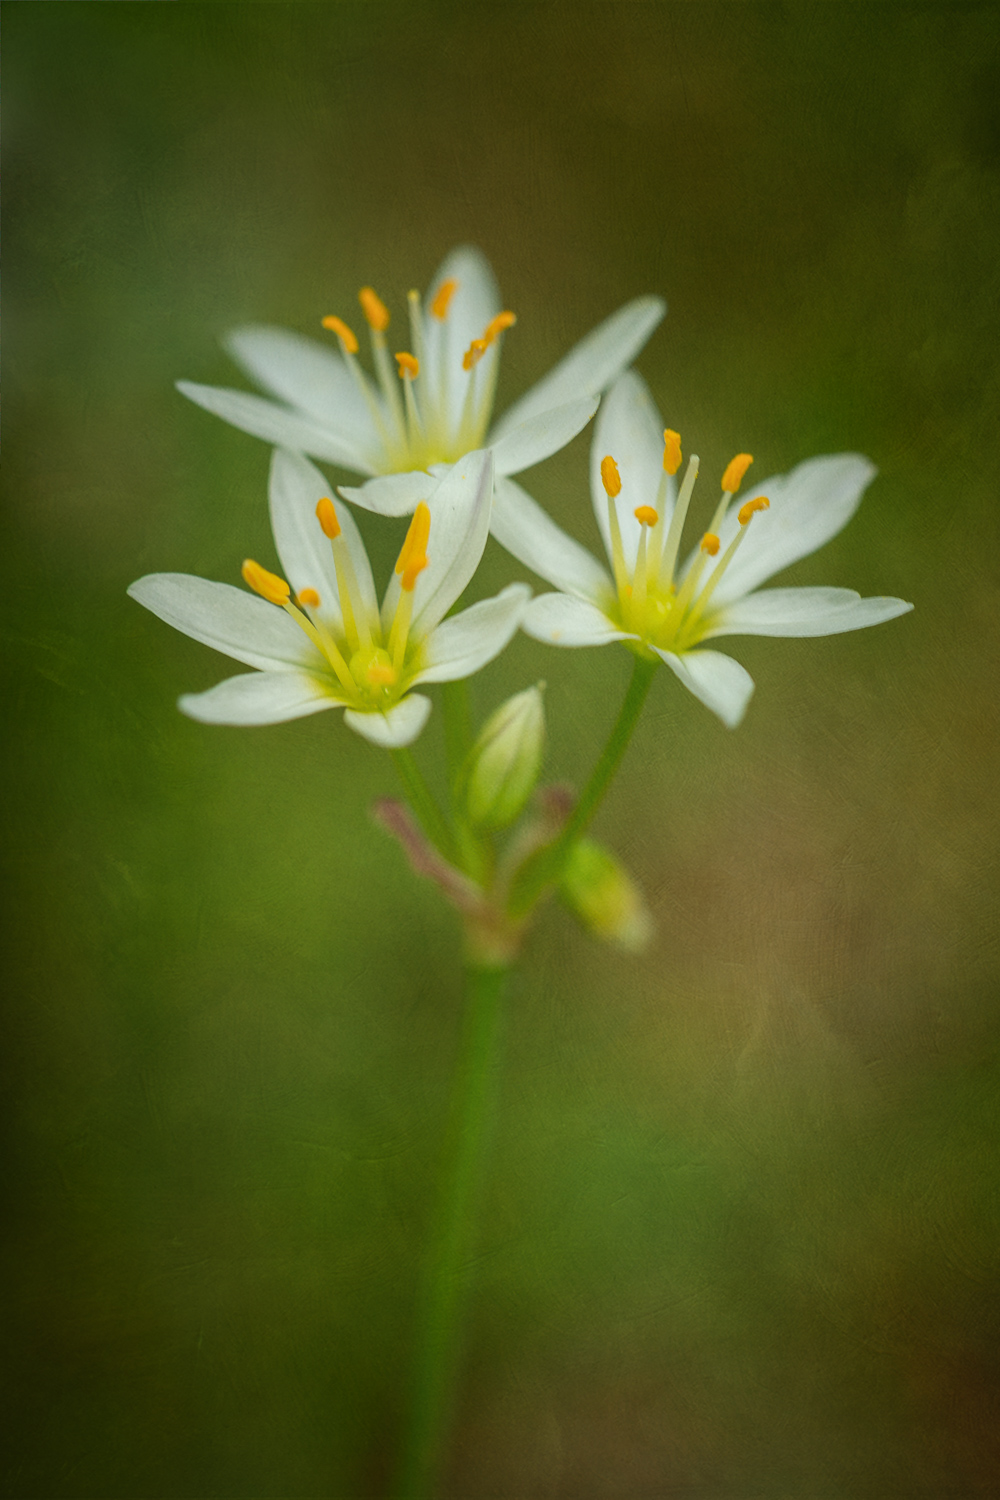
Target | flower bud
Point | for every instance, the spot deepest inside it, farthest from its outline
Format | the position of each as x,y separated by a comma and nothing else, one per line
506,759
602,893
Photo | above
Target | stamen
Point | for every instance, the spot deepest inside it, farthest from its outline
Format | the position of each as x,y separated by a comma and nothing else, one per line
409,368
498,325
751,507
710,543
344,334
442,298
673,537
268,585
307,599
374,309
416,327
321,637
355,627
646,515
671,450
326,515
413,553
735,470
610,477
474,353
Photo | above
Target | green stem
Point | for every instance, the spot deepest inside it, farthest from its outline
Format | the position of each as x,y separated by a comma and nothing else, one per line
544,869
444,1286
422,801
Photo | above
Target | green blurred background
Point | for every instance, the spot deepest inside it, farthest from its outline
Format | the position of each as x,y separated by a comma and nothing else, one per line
740,1237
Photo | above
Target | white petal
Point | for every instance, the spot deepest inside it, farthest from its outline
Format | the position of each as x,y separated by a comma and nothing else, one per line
592,364
808,507
630,429
276,424
391,494
306,555
228,619
521,525
392,730
715,680
259,698
803,612
460,523
561,621
475,302
464,643
308,376
541,435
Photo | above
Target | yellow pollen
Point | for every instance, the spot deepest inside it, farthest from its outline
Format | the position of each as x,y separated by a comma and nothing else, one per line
326,515
409,367
381,674
747,510
442,298
307,598
268,585
710,543
499,325
474,353
646,515
735,470
610,476
344,334
374,309
412,558
671,450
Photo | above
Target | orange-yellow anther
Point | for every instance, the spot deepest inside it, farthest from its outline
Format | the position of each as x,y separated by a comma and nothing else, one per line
412,558
671,450
646,515
751,506
374,309
381,674
441,300
326,515
710,543
268,585
344,334
735,470
498,325
308,598
474,353
409,367
610,477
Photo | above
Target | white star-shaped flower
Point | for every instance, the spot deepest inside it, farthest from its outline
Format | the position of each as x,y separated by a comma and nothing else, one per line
663,608
317,637
433,405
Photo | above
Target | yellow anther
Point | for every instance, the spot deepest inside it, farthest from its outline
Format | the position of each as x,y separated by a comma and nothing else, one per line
442,298
474,353
409,367
499,325
381,674
374,309
671,450
735,470
751,506
710,543
326,515
610,476
412,558
268,585
308,598
344,334
646,515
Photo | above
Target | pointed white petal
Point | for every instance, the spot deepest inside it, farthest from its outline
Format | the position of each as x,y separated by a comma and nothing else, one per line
259,698
392,730
276,424
460,523
521,525
561,621
391,494
541,435
808,507
592,364
630,429
229,620
715,680
308,376
464,643
475,302
803,612
305,552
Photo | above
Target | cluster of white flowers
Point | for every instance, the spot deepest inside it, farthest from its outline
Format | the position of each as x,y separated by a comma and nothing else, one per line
420,435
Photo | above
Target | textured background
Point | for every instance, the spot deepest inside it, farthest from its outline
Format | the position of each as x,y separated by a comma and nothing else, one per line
740,1238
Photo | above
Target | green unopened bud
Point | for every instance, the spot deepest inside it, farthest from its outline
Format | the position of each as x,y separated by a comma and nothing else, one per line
604,896
506,759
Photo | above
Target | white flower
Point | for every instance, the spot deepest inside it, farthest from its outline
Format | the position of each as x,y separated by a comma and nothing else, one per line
319,640
668,610
438,406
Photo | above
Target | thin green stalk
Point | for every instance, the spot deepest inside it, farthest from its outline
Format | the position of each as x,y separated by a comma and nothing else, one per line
422,801
444,1285
544,869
